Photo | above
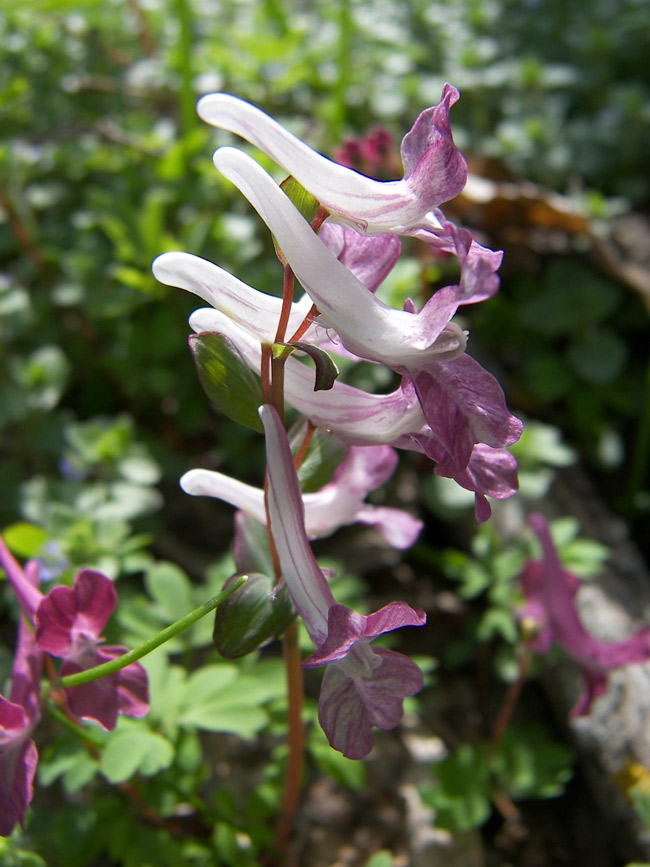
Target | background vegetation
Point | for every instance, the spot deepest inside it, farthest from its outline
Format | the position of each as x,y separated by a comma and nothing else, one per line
104,165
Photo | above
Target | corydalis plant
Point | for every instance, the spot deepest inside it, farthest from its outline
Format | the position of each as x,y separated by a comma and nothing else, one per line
551,616
338,232
65,623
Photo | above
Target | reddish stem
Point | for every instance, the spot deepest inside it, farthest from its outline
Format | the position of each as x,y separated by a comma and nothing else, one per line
265,372
509,703
302,452
287,300
307,321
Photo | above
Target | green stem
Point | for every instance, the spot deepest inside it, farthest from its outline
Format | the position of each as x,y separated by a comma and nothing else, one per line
84,734
151,643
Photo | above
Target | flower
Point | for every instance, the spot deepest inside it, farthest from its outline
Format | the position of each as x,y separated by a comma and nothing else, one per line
18,717
550,593
434,169
461,401
462,421
363,686
434,172
339,502
360,418
369,259
68,622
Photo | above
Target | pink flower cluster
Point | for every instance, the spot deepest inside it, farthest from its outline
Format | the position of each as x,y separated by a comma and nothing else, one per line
65,623
446,406
550,592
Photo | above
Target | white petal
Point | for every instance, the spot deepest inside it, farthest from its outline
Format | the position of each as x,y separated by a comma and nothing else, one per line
306,583
253,310
207,483
371,207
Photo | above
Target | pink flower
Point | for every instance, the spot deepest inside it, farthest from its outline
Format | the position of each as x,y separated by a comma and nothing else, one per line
434,169
360,418
434,172
550,592
18,717
68,622
336,504
363,686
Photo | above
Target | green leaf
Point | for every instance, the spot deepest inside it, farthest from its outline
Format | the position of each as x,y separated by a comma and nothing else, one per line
226,378
68,760
461,793
530,764
170,587
497,622
43,376
24,539
216,699
134,751
238,719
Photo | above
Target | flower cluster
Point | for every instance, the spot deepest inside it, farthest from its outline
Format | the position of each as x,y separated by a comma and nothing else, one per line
551,611
446,406
65,623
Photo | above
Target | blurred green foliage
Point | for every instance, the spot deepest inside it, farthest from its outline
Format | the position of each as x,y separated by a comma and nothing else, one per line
104,165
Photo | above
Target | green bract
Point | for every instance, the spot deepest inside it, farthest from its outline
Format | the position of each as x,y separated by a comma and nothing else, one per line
227,380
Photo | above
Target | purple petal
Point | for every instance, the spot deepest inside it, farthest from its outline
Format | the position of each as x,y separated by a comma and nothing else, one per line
351,703
345,627
17,769
478,280
371,259
101,701
67,615
464,405
26,673
24,583
18,756
435,169
550,593
490,471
